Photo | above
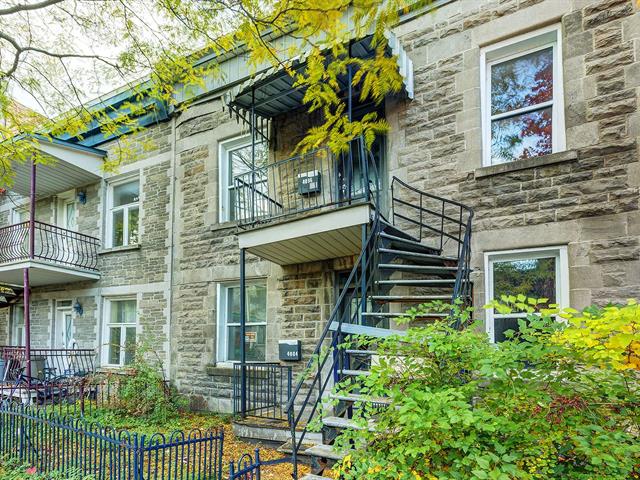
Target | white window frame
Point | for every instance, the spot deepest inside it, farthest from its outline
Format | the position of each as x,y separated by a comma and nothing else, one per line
16,212
222,324
562,277
513,48
107,303
223,154
111,209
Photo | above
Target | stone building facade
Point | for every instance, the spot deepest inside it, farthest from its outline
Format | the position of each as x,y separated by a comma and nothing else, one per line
576,203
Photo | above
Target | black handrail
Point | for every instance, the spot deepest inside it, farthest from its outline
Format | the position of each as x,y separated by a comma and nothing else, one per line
51,243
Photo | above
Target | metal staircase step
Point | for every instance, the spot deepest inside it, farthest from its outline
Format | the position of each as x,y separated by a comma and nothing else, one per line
357,398
361,352
401,314
418,256
428,269
325,451
354,373
409,298
407,244
393,230
418,282
350,328
339,422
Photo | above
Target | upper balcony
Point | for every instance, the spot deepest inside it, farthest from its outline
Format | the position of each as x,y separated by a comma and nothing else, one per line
308,207
59,255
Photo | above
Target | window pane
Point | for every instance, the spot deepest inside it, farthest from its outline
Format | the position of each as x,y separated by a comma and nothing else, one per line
535,278
233,305
522,81
133,226
255,343
240,160
522,136
256,303
123,311
129,345
114,345
126,193
118,229
70,216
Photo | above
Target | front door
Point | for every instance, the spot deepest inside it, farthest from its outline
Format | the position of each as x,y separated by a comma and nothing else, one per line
63,329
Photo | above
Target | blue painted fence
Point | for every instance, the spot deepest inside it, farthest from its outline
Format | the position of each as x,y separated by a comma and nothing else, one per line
52,442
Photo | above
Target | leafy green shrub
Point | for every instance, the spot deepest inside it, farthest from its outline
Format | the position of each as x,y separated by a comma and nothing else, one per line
532,407
143,392
12,469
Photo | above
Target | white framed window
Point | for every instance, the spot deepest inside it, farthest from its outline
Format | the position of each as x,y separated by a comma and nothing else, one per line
17,325
120,331
236,162
229,341
19,214
537,273
522,97
123,215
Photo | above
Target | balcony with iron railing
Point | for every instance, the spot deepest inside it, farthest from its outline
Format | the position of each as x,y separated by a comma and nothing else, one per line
54,254
307,207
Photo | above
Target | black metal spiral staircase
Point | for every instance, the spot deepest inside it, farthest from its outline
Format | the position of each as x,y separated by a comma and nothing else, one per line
420,255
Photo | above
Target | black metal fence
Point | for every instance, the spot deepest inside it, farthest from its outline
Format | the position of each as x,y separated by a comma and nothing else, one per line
246,468
307,182
268,389
50,243
50,442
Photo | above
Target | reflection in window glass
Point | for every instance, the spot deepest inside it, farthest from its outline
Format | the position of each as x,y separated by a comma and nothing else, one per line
535,278
521,136
122,331
125,214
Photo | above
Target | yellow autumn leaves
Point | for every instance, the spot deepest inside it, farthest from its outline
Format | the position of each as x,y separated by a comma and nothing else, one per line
608,338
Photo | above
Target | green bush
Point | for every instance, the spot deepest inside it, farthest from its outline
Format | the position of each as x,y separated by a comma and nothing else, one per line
11,469
463,408
143,392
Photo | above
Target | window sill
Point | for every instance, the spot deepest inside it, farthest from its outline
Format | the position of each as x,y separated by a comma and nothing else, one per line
544,160
223,225
126,248
220,369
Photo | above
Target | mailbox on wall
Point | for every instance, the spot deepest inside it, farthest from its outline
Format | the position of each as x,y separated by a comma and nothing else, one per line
309,182
290,350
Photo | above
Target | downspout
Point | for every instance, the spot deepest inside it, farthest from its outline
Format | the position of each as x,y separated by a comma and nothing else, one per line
172,206
25,272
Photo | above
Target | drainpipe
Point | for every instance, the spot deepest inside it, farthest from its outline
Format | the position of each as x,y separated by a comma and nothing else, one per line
25,272
243,332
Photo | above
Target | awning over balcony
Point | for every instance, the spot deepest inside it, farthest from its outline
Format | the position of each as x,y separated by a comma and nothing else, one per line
72,166
273,92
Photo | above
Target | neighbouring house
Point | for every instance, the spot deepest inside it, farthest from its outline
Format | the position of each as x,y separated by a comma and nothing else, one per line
522,111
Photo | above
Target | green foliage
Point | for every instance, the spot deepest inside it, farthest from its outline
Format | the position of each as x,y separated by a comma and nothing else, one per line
463,408
143,391
12,469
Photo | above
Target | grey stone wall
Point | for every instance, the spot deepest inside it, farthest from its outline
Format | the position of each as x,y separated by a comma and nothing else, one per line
586,198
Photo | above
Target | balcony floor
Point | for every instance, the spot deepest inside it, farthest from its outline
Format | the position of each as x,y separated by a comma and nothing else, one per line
43,273
323,236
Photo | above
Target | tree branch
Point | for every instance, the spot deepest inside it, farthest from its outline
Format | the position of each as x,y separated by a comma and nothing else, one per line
28,6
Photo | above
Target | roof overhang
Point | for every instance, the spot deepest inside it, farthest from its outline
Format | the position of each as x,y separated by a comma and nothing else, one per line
70,166
271,91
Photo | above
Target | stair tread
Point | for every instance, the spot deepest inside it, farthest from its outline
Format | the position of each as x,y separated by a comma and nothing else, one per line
421,268
325,451
356,397
310,476
410,298
340,422
418,281
405,242
361,352
389,227
355,373
353,329
417,254
402,314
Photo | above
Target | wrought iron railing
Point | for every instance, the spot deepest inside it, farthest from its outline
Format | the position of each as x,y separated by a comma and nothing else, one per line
64,444
50,243
46,363
268,389
308,182
443,222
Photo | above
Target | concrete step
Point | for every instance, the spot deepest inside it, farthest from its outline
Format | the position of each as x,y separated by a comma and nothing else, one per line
361,352
339,422
325,451
310,476
358,398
